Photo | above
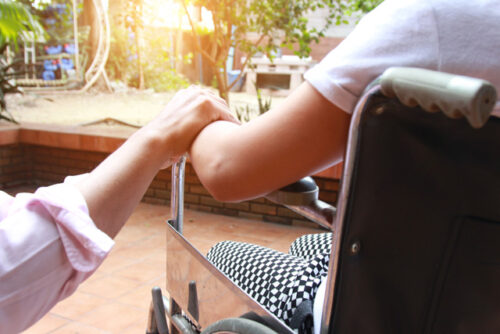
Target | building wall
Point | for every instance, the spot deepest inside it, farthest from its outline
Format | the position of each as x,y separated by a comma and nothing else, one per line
321,49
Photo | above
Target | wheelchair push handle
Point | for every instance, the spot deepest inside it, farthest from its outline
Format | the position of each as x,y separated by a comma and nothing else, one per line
456,96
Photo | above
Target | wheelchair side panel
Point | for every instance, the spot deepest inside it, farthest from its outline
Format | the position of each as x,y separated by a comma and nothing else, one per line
217,296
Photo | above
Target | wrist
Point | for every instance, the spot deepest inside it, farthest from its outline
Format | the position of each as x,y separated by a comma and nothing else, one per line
156,147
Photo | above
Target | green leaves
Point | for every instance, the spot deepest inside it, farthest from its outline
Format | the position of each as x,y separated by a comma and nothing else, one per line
264,26
16,20
7,86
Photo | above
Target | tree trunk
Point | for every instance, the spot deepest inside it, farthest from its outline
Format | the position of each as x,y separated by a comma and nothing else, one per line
89,18
222,85
139,58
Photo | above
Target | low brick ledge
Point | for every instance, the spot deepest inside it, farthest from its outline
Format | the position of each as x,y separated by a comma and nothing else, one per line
40,154
67,137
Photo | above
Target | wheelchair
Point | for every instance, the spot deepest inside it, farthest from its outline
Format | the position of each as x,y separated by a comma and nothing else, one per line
416,233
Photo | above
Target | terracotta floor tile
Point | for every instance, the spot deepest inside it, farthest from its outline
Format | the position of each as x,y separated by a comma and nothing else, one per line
77,328
95,276
143,271
115,317
109,286
115,262
141,296
134,329
77,305
143,248
47,324
133,234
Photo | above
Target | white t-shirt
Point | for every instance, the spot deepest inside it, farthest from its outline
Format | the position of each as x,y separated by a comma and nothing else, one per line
455,36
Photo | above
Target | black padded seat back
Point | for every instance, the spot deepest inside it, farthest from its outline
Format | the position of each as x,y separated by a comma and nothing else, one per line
423,214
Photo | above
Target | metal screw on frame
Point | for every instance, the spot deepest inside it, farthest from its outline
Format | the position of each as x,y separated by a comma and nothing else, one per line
355,247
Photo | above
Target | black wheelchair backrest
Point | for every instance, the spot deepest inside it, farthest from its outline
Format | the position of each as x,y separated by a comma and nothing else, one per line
419,250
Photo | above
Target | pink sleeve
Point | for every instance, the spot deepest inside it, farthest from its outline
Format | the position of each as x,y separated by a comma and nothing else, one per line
49,245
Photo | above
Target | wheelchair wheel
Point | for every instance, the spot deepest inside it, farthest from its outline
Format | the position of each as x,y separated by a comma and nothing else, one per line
237,326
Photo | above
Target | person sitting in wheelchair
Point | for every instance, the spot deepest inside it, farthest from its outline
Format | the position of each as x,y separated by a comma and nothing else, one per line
305,134
308,131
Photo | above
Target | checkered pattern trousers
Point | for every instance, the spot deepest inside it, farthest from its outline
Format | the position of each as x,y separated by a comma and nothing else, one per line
278,281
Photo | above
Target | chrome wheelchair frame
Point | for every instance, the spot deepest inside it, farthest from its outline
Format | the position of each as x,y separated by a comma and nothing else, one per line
195,285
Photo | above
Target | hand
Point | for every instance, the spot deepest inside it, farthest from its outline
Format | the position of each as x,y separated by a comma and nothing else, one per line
113,189
186,114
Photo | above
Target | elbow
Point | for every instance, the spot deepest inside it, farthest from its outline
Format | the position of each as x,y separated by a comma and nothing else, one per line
215,176
217,161
222,194
226,192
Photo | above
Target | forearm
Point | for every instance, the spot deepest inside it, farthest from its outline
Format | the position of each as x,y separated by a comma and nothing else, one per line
233,167
116,186
304,134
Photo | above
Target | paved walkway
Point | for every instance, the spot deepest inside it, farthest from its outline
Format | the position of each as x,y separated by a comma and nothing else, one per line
116,298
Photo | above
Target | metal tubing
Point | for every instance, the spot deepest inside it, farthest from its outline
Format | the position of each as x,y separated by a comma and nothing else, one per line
317,211
152,327
177,198
341,208
182,324
159,310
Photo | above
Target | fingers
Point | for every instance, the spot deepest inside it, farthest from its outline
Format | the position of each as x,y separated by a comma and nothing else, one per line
210,95
216,105
227,116
185,115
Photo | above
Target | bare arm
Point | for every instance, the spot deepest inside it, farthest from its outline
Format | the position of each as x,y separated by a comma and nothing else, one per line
305,134
116,186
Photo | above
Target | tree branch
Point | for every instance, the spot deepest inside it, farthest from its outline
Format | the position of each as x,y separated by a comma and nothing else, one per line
195,36
247,58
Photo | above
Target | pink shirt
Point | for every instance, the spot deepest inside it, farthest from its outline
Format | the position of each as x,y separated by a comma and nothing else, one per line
48,246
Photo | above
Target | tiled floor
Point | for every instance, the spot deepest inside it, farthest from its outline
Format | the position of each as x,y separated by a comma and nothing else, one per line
116,298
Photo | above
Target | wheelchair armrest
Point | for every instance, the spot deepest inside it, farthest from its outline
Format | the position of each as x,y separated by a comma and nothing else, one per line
302,198
302,192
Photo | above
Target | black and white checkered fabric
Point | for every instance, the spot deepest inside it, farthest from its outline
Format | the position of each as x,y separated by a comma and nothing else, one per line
278,281
311,245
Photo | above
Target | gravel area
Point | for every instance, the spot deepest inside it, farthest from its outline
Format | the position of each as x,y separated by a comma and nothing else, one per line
70,108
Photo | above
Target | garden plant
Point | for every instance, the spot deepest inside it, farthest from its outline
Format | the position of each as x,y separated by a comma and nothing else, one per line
272,23
16,20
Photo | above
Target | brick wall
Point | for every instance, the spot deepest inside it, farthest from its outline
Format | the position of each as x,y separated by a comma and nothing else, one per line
26,164
15,166
51,165
196,197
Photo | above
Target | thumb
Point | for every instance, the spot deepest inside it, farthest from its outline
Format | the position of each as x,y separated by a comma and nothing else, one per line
227,116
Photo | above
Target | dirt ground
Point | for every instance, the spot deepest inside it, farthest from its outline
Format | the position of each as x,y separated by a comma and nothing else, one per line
131,106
